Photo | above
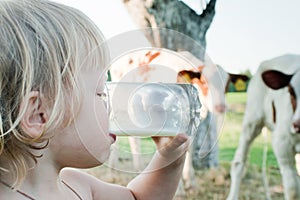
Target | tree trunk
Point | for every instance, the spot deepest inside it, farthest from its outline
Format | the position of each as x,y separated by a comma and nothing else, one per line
173,15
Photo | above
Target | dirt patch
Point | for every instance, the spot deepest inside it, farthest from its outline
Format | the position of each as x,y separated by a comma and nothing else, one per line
212,184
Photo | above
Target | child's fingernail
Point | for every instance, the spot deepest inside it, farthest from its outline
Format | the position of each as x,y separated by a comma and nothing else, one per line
182,138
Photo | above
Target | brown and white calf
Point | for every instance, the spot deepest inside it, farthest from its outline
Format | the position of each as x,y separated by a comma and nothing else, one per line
163,66
273,101
146,66
211,81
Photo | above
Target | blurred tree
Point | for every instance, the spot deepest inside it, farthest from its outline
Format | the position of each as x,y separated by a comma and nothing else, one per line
174,15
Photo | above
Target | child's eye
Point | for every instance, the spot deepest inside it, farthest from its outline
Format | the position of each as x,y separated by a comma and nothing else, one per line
104,98
102,95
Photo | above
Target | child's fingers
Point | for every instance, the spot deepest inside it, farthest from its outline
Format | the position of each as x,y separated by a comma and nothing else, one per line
176,142
172,146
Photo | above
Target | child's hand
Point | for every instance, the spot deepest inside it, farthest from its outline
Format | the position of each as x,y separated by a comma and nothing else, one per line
172,148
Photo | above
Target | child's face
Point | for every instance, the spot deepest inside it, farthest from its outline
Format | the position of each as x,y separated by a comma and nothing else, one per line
86,142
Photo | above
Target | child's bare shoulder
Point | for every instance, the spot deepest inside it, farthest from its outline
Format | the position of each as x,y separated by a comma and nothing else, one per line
93,188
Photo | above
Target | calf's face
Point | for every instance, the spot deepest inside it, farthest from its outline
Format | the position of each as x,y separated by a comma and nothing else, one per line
277,80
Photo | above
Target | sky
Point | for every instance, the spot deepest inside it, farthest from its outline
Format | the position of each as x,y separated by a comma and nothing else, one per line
242,35
246,32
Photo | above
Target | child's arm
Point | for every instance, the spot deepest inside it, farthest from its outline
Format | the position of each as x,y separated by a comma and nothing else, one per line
158,181
161,177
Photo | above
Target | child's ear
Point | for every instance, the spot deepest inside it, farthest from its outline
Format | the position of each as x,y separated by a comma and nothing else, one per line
35,115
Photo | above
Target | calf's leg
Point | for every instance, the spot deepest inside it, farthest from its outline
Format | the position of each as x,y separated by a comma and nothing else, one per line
250,131
285,154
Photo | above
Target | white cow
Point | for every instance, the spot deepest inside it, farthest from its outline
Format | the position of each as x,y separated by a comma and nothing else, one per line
148,66
164,66
273,101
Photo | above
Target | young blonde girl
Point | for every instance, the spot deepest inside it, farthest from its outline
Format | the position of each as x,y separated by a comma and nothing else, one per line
53,115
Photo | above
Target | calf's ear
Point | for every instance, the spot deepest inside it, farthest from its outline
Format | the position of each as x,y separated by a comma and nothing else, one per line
276,79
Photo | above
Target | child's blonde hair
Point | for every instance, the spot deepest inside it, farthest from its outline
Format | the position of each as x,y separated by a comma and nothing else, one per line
42,46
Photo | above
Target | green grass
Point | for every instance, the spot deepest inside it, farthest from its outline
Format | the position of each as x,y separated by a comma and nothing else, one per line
147,145
236,97
228,138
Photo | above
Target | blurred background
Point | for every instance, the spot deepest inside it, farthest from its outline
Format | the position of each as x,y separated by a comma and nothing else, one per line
238,36
242,33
